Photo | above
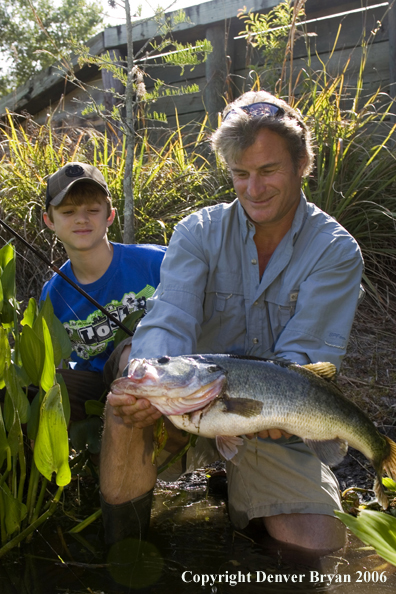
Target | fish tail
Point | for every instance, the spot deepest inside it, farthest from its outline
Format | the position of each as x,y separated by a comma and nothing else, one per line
380,492
389,463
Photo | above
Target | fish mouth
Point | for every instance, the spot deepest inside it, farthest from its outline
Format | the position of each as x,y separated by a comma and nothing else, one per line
175,396
195,401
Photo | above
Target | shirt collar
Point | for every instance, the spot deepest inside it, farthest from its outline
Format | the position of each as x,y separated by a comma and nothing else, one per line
298,221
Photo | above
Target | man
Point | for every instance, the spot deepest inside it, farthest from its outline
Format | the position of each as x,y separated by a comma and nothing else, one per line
268,275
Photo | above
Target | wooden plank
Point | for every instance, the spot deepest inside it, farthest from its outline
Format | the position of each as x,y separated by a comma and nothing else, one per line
200,15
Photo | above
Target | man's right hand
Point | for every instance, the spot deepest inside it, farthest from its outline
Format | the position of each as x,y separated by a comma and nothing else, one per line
136,412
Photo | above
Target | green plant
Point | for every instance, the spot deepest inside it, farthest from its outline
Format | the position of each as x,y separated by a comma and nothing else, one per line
31,349
375,529
270,33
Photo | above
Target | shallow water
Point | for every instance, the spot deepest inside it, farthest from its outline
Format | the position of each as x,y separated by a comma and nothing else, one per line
194,550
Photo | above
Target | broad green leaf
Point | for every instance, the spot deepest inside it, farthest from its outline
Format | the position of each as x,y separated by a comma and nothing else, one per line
16,399
6,255
65,397
8,286
14,435
389,483
4,447
34,417
15,511
94,407
51,449
376,529
5,358
1,294
48,373
60,339
23,378
32,353
30,313
46,312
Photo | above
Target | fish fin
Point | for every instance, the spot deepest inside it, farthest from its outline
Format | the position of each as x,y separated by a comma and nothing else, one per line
389,464
329,451
323,369
228,445
245,407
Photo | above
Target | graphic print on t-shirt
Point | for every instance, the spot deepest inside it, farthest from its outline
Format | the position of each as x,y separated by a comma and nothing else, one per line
90,337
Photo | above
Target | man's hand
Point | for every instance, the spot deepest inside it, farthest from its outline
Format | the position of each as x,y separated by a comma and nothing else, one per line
137,412
272,433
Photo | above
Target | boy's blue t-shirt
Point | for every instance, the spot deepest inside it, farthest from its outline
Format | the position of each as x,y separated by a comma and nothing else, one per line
131,278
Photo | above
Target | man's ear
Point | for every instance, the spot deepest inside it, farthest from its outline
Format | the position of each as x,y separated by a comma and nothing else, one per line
48,221
302,165
111,217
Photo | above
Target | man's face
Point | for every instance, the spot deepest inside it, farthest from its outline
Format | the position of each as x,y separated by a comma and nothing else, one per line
266,181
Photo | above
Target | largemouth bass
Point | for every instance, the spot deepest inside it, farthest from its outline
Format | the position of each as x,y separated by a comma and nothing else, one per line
225,396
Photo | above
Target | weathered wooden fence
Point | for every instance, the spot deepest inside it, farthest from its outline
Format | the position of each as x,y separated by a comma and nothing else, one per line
226,72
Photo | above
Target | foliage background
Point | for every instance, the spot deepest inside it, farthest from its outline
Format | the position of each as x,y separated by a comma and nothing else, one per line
28,44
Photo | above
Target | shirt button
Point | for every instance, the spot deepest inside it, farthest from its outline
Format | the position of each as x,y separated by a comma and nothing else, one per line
254,261
255,340
256,303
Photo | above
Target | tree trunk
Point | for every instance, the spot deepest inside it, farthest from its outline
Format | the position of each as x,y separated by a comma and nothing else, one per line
129,218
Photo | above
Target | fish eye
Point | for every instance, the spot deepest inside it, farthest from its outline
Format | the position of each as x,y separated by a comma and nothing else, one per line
163,360
212,368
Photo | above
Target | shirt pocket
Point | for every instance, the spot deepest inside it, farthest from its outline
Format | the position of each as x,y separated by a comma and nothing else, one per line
281,310
224,324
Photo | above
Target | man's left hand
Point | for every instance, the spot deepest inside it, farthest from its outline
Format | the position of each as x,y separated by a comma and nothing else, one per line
272,433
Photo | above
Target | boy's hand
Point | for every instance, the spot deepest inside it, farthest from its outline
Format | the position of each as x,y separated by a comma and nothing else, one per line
137,412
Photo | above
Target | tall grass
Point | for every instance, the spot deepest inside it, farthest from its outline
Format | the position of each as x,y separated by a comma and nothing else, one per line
170,182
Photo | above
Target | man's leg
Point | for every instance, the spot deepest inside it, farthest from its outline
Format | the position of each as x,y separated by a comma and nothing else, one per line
127,478
283,483
317,532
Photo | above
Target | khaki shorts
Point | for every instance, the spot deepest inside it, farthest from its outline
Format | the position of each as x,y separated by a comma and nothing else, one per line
270,477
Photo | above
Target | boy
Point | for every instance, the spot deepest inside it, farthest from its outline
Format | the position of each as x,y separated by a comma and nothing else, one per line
120,277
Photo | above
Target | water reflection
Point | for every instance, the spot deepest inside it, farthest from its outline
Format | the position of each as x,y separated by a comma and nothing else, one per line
193,550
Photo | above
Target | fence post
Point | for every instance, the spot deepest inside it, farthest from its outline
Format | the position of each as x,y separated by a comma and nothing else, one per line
217,69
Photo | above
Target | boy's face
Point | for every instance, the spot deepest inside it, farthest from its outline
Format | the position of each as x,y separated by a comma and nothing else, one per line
81,227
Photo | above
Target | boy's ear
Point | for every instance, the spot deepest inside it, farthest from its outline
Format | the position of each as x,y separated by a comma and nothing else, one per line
48,222
110,218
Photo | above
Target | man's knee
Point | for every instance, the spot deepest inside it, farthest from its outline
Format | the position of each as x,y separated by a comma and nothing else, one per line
317,532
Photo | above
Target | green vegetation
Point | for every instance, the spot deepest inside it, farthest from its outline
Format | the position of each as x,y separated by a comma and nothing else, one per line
375,529
170,182
34,36
32,347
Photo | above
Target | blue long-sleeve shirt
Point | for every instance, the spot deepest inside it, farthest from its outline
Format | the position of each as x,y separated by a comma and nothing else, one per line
211,298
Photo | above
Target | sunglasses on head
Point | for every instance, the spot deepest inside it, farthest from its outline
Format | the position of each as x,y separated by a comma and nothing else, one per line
259,109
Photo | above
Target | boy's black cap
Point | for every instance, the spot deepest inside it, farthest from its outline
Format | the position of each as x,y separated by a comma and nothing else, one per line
60,182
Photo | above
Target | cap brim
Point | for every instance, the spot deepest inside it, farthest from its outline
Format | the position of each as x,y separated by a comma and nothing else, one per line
59,197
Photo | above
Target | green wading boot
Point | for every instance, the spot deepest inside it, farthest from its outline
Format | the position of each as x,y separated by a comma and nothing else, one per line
133,563
127,520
